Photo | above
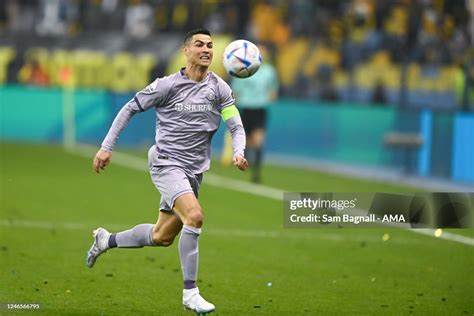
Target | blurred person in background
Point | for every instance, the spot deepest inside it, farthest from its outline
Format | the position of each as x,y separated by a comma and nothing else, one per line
379,93
255,94
325,85
464,81
54,17
321,85
33,73
139,19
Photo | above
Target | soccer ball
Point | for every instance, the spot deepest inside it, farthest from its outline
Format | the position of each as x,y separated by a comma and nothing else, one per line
242,59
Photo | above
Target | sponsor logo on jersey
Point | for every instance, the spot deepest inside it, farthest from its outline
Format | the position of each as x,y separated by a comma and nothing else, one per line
199,107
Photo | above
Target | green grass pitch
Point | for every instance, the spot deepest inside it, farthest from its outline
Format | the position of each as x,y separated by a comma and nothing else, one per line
50,201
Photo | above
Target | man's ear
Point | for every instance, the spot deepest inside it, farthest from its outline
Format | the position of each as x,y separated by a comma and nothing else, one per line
184,49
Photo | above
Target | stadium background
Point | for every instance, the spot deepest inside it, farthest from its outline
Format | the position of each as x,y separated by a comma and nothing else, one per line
402,66
352,73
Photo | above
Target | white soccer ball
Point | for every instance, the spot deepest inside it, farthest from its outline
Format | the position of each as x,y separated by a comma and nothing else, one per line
242,59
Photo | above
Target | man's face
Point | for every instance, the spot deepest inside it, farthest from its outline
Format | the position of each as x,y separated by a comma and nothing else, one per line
198,50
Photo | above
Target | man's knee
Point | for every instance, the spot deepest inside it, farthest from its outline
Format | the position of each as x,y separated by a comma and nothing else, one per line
162,240
194,217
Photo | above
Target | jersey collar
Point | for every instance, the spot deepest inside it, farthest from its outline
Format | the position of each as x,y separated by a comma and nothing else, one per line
181,72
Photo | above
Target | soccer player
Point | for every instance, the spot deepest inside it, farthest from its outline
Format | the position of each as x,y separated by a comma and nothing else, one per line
255,94
189,105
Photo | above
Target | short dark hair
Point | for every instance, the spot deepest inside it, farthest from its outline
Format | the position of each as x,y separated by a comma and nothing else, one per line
191,33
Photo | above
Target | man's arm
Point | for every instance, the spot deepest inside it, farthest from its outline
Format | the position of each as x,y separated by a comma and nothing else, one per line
104,155
231,117
149,97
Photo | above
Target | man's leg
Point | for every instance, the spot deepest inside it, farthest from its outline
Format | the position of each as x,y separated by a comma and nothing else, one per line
190,212
137,237
166,229
161,234
187,207
256,143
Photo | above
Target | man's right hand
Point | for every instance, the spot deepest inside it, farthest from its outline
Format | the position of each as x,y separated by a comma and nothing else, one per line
101,160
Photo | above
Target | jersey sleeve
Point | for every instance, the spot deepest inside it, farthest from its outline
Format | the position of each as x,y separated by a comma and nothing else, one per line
152,95
226,97
231,117
237,131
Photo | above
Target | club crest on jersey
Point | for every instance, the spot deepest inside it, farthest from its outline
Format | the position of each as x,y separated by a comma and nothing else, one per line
211,96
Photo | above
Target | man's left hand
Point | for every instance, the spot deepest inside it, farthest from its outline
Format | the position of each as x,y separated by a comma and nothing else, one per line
241,162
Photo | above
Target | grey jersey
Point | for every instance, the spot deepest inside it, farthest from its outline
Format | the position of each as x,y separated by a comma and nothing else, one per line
188,113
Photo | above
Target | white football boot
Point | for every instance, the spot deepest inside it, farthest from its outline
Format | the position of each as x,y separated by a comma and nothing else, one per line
192,300
100,245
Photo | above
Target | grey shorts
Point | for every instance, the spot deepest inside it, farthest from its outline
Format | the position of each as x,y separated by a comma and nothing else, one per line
172,182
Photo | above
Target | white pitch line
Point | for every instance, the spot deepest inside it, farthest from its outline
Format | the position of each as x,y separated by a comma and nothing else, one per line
294,234
445,235
140,164
222,232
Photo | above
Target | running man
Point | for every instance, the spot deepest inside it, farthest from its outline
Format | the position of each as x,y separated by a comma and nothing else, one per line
189,105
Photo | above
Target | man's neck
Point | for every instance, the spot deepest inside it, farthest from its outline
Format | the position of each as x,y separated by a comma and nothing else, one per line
196,73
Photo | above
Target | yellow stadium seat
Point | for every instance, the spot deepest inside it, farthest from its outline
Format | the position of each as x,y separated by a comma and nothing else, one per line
289,60
321,55
7,54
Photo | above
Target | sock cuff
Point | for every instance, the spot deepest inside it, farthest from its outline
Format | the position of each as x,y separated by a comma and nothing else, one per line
191,230
112,242
150,235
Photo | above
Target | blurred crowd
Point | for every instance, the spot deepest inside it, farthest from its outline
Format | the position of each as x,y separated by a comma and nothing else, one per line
136,18
355,50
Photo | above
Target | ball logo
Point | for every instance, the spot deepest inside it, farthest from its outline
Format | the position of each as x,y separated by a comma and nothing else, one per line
241,59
